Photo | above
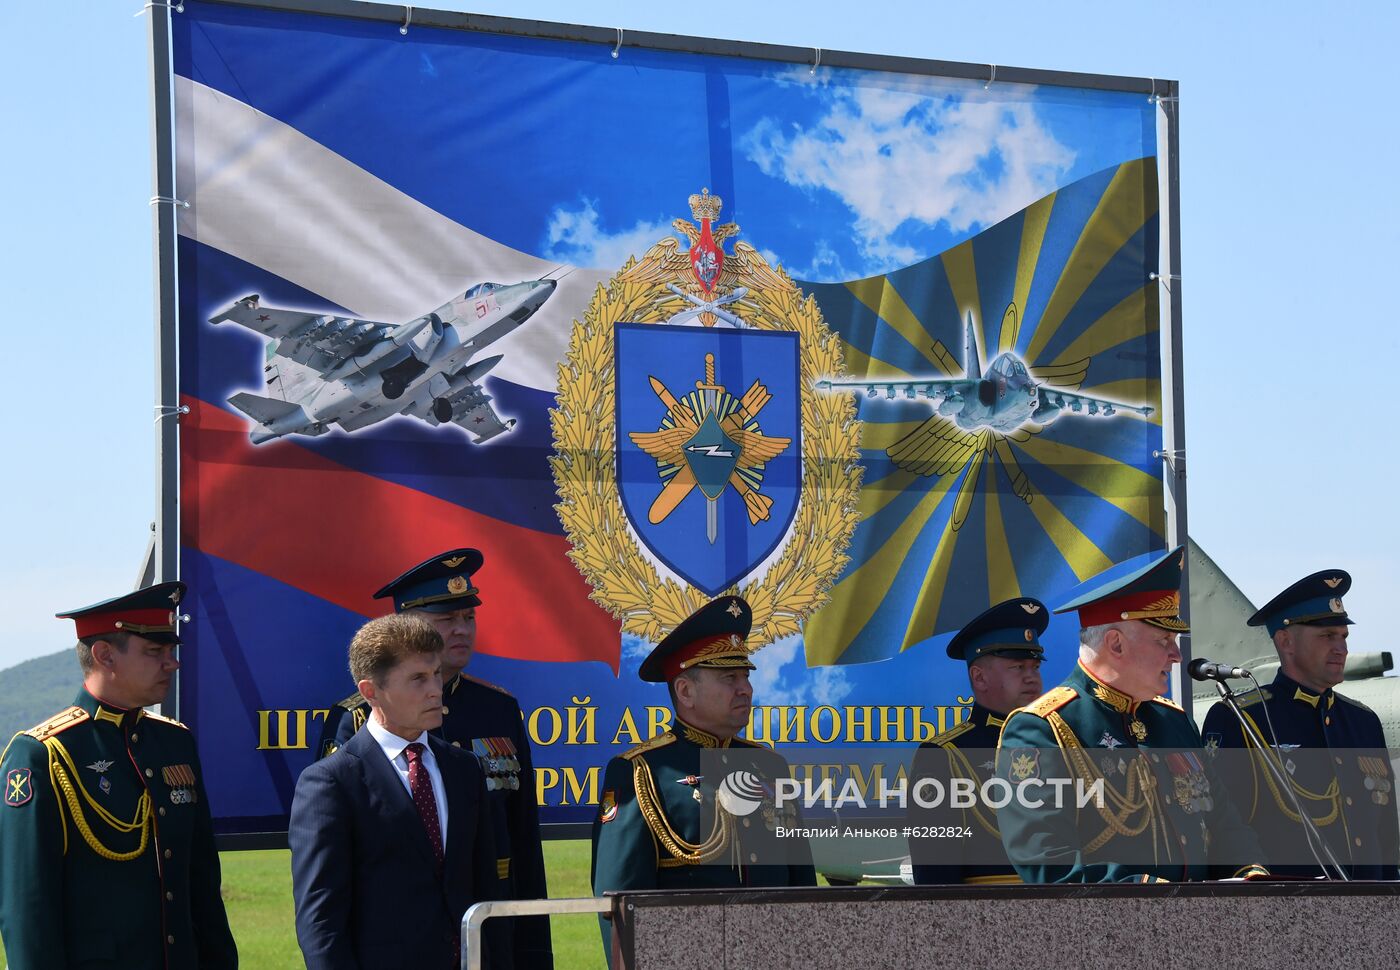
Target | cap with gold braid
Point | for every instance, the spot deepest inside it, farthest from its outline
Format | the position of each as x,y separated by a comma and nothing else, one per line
440,584
147,612
713,636
1151,594
1314,600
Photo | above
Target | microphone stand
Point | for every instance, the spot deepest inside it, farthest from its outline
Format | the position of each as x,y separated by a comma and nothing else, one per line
1314,837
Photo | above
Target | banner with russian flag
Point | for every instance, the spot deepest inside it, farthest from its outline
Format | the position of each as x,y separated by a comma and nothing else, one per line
873,349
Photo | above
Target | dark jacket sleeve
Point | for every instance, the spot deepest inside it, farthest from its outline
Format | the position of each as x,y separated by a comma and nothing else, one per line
214,939
533,946
31,847
320,835
933,860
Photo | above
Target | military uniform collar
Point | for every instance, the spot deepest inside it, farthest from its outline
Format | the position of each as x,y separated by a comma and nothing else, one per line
698,737
100,710
986,716
1114,698
1286,686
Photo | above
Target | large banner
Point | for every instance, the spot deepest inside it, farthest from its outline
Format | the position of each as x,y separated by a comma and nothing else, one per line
873,349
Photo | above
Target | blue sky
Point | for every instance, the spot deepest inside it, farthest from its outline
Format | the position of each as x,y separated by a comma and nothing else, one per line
1288,223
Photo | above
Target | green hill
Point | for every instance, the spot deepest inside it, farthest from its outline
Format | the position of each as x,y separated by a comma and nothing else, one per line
35,690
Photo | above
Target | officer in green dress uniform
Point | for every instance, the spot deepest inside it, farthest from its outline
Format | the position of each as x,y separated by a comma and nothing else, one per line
1330,747
479,716
105,835
663,822
1003,653
1163,815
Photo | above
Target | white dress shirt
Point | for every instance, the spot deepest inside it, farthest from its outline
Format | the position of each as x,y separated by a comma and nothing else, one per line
394,748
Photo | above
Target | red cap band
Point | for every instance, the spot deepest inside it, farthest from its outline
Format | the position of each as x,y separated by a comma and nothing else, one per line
99,623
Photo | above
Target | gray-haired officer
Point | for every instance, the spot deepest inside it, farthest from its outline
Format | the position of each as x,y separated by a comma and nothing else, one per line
1002,650
481,717
105,835
1350,794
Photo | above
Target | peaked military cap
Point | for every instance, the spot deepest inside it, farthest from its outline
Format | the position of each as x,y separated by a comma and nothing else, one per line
1151,594
440,584
713,636
1009,629
147,612
1314,600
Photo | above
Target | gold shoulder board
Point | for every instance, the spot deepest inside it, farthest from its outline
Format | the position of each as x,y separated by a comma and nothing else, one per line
351,702
1254,697
167,720
942,740
739,742
1047,704
660,741
1168,702
487,683
60,722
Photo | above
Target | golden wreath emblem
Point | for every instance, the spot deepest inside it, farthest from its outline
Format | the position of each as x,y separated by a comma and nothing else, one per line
652,290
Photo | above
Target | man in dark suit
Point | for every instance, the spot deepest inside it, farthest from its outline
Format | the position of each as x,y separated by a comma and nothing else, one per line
390,838
479,716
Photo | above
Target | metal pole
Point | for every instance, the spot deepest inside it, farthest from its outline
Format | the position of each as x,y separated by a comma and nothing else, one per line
479,913
163,207
1173,386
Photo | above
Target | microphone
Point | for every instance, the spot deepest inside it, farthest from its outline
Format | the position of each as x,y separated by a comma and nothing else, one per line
1209,670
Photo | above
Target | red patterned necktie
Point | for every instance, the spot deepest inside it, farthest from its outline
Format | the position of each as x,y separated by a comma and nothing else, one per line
421,787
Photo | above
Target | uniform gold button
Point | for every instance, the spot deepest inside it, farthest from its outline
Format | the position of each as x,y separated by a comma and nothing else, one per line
1357,841
1156,759
1338,760
1348,799
746,823
444,709
724,759
161,810
1183,839
167,853
753,856
149,772
169,897
135,736
170,940
1326,720
456,744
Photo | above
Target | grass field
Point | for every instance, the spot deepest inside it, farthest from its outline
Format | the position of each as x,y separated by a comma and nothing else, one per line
258,895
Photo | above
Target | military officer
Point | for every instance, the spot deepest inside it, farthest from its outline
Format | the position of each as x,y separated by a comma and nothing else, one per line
663,821
1163,815
483,718
105,833
1348,790
1003,653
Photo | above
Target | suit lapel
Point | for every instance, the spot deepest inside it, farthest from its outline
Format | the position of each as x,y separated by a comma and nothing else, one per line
461,811
388,793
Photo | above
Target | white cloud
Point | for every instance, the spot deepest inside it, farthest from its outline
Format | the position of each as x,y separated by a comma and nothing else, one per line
895,154
576,236
783,678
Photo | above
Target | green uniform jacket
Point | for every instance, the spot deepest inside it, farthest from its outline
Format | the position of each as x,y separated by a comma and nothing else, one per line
1166,816
656,841
107,846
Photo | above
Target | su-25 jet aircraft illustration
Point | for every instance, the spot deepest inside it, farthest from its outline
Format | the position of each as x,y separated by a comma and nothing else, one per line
1003,400
329,370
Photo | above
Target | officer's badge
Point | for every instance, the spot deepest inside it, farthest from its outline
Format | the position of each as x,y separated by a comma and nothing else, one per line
19,787
1333,582
1138,729
103,782
1335,605
1213,740
454,562
686,395
607,808
329,747
1025,763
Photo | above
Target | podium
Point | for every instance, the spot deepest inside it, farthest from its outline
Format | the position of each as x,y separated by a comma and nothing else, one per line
1166,924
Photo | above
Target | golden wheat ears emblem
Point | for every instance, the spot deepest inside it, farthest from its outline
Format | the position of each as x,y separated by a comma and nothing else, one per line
662,284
